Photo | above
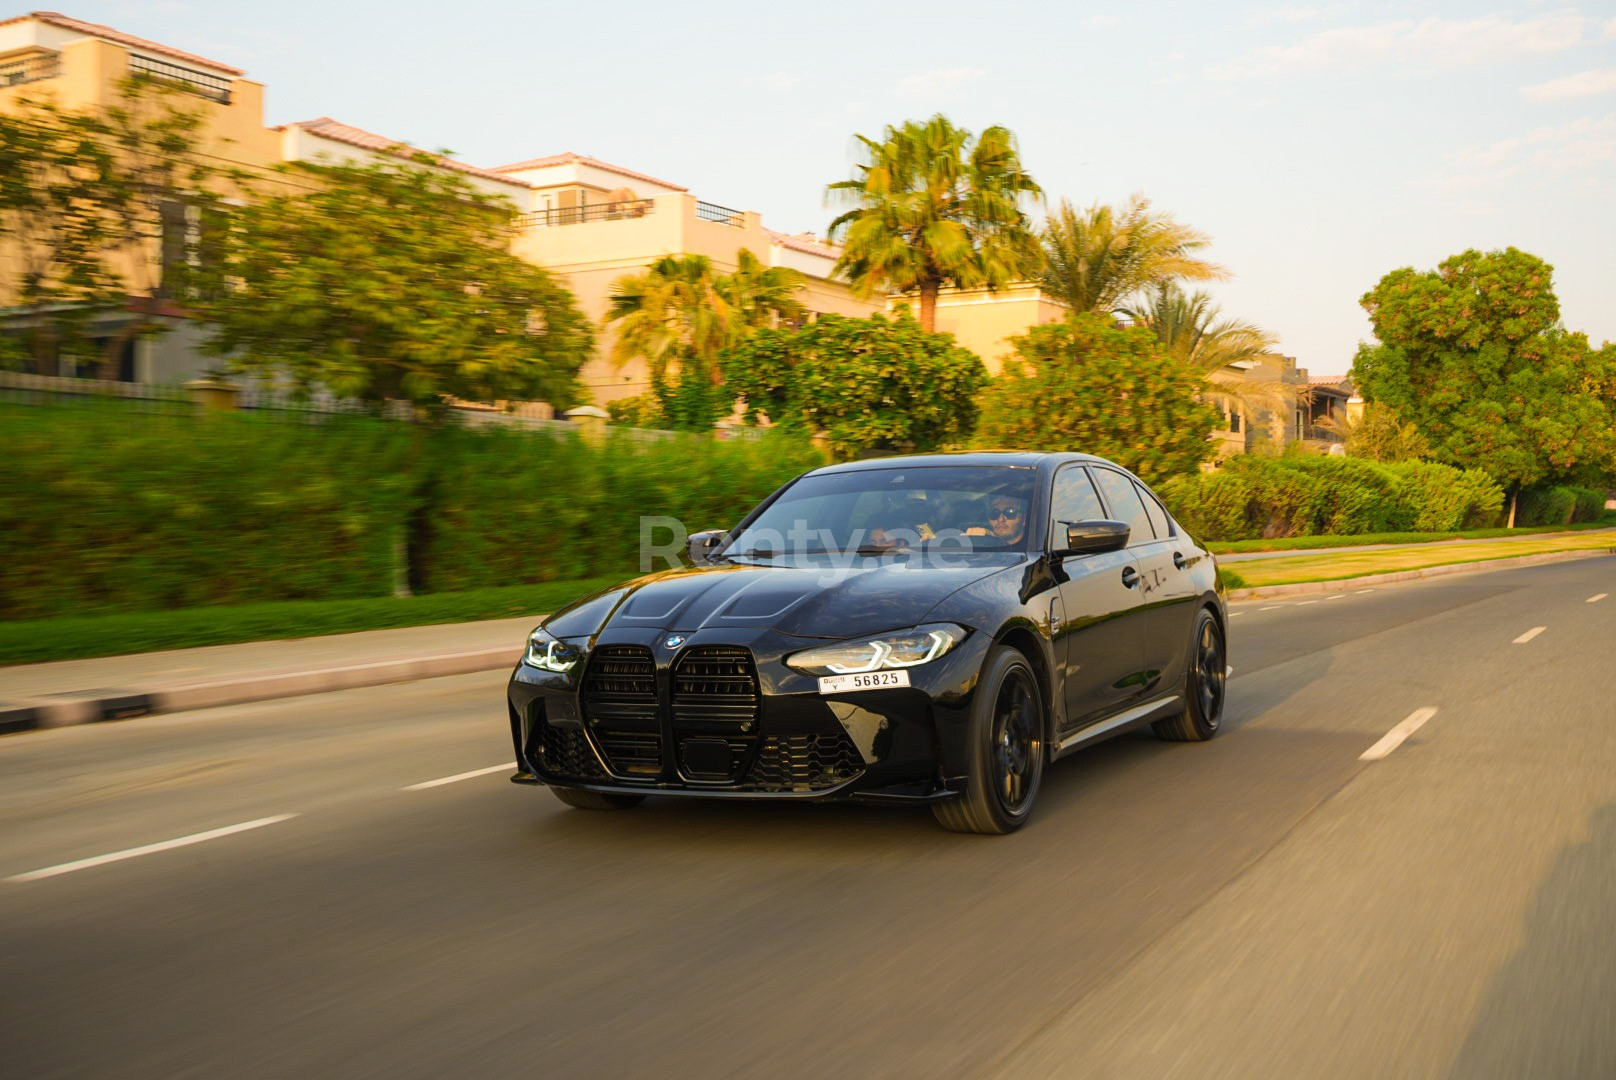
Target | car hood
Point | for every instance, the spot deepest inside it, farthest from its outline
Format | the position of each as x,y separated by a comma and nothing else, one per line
803,601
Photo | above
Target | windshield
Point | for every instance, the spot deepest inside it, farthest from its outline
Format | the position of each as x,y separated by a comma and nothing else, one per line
980,508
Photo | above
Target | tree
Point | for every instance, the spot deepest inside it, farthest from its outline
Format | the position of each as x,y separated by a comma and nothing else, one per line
1097,259
1473,355
392,281
932,207
1089,385
678,315
103,212
1379,435
875,384
1189,327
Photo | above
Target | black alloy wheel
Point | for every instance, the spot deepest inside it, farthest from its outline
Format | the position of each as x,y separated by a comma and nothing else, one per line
1204,686
1007,749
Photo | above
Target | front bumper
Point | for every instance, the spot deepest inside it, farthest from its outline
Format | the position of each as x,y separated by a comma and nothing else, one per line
636,718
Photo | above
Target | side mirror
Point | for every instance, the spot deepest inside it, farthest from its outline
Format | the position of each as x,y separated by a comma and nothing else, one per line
1093,537
703,544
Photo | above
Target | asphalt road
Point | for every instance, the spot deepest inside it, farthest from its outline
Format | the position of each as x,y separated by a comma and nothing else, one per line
1267,904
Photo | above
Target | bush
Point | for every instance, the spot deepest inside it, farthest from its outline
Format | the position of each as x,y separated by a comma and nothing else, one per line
1559,505
112,510
509,507
1251,498
109,509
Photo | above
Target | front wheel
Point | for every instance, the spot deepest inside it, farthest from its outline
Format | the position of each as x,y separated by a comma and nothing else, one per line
1204,685
1006,749
595,800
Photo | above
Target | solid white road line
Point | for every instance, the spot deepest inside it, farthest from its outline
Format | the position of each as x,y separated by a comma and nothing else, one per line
149,849
1394,738
1599,597
459,776
1530,634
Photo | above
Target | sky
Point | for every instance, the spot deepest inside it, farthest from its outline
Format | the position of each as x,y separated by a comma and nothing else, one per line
1321,145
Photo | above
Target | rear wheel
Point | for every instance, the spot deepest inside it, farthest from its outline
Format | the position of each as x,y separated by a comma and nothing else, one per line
1203,686
595,800
1007,749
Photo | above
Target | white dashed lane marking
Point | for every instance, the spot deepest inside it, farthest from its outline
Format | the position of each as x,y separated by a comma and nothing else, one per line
1530,634
1394,738
507,766
1596,598
149,849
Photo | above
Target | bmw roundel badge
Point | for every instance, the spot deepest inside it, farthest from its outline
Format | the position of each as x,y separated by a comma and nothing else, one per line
674,642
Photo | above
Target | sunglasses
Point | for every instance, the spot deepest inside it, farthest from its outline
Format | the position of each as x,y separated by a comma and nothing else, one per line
1004,512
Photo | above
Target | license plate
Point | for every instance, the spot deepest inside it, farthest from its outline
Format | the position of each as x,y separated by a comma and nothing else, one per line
873,680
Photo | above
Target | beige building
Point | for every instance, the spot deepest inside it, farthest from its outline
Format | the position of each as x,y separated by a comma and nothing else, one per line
984,322
80,65
594,222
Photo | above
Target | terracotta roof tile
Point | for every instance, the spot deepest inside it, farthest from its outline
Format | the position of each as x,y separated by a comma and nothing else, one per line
107,33
804,243
581,159
336,130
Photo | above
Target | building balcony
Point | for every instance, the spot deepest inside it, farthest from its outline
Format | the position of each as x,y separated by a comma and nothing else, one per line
29,69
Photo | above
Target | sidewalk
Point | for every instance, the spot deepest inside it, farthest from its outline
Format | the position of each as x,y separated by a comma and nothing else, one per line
117,687
1248,556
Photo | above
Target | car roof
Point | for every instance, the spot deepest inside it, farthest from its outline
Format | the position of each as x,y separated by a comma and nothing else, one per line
1026,459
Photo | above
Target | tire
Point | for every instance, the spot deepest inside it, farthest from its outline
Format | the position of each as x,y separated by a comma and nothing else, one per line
1204,685
1006,734
595,800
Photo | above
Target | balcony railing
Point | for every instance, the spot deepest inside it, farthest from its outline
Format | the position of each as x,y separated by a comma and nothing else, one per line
723,215
576,215
30,69
1321,434
201,83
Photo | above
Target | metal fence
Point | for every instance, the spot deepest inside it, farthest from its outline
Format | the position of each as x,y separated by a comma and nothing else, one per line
575,215
201,83
723,215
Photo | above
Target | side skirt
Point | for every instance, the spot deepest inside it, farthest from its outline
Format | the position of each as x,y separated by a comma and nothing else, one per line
1115,725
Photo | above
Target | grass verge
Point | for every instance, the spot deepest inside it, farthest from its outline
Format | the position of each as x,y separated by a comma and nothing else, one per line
1301,568
79,637
1306,543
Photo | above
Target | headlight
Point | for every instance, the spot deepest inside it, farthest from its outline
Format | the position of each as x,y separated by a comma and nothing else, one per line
550,654
900,649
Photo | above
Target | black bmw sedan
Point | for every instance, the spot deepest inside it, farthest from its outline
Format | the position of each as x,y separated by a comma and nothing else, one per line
931,629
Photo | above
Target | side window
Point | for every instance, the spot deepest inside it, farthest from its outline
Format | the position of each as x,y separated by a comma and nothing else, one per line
1124,502
1158,515
1073,499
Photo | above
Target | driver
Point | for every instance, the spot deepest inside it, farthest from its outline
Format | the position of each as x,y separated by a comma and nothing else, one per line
1007,518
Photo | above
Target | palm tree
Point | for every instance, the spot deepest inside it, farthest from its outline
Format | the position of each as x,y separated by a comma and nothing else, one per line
679,314
1189,327
931,206
1097,259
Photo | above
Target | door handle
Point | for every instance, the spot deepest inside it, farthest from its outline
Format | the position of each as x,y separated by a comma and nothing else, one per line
1130,577
1179,560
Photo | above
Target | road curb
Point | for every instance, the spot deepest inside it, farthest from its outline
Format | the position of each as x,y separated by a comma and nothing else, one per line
1369,581
97,706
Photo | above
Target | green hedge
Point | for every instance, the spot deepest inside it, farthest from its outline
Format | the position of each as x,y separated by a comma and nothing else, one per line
1561,505
107,509
1253,497
511,507
111,509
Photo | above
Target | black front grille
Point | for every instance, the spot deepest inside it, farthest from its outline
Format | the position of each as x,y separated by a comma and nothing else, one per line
620,708
805,763
715,705
715,683
565,752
